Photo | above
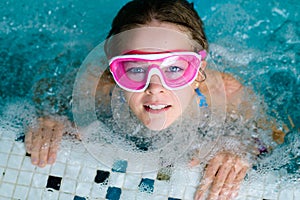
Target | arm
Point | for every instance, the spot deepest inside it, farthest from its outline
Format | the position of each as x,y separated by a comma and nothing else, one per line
42,140
226,170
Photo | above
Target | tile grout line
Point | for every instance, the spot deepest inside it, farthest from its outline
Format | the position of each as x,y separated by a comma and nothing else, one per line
23,160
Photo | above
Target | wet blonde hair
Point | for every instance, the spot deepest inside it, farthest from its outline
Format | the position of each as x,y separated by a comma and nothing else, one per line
141,12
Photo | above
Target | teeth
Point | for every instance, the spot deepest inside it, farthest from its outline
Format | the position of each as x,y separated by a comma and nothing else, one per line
157,107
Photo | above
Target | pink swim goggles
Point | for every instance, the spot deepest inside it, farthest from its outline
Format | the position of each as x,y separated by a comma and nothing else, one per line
133,72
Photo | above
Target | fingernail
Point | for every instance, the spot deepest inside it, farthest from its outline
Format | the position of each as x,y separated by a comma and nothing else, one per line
34,160
42,163
50,160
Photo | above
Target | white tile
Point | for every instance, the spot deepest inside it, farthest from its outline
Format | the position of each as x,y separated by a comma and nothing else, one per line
58,169
76,158
150,175
15,161
297,192
144,196
271,177
65,196
2,170
98,191
128,194
6,189
11,175
25,178
189,192
101,166
63,155
241,197
35,193
39,180
161,187
116,179
177,191
27,165
43,170
243,191
132,181
179,176
4,159
159,197
90,161
68,185
19,149
252,198
50,194
286,194
83,189
21,192
193,178
72,171
87,175
6,146
257,192
270,193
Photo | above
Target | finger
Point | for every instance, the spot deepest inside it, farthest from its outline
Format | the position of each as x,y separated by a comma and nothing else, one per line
226,190
37,139
54,144
28,141
44,150
209,176
194,162
43,155
220,178
238,180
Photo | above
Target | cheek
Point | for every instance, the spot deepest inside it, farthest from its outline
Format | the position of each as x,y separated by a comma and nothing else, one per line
133,99
128,96
184,96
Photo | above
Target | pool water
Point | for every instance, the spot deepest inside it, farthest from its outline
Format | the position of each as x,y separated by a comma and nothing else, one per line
43,44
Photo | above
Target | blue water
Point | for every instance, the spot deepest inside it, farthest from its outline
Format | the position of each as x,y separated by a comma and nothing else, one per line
42,44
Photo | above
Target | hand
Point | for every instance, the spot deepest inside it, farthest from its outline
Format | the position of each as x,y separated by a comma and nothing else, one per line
43,142
222,178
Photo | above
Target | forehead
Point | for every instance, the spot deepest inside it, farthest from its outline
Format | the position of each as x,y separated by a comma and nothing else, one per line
153,39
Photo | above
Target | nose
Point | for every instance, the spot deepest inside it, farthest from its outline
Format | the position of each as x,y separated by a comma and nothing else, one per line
155,85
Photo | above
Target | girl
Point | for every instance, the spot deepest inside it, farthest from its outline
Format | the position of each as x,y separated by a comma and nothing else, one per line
156,51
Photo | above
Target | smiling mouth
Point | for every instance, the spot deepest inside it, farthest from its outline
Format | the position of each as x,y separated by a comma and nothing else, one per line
156,108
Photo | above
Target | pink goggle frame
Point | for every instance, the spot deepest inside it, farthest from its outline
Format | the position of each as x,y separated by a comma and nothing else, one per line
133,72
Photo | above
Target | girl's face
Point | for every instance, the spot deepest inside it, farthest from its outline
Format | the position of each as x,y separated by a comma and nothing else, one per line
158,107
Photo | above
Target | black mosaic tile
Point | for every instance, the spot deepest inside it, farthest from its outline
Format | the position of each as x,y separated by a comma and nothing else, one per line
113,193
146,185
20,138
79,198
101,176
28,154
54,182
171,198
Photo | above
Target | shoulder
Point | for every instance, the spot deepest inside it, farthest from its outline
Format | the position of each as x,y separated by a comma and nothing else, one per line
230,84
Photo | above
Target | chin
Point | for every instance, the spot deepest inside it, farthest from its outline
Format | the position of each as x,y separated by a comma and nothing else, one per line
157,125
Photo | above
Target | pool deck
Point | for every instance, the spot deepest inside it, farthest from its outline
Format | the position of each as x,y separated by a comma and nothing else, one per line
77,175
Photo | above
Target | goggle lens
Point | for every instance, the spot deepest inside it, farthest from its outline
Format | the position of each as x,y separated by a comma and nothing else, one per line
176,70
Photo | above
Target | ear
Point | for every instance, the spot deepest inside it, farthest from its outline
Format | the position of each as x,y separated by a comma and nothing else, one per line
203,65
195,84
199,78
